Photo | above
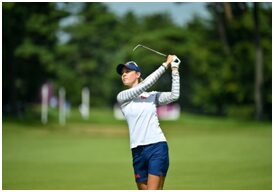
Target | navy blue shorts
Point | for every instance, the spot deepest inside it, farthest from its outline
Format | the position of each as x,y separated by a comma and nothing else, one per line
150,159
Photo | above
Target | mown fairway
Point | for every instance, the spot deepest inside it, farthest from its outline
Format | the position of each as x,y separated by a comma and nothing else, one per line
205,153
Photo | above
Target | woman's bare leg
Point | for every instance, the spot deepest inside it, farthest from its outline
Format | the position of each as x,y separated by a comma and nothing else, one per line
155,182
162,182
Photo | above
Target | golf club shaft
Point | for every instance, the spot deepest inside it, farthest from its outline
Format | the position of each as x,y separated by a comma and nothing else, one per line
159,53
154,51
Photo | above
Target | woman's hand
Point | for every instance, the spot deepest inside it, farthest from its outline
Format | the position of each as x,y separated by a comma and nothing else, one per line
170,59
173,61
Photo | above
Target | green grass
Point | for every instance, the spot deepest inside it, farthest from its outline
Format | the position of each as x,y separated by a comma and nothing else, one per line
205,153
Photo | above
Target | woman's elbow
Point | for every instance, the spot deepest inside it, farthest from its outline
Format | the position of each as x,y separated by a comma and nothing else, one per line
175,97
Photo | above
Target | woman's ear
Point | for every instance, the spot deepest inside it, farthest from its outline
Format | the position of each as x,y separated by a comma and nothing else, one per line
139,74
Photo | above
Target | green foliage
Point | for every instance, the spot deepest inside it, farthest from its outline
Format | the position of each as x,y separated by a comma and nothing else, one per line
222,78
29,43
218,54
87,56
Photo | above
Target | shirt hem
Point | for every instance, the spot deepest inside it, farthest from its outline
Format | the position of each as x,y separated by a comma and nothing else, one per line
146,143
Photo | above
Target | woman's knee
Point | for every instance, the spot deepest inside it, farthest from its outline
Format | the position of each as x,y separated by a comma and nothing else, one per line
142,185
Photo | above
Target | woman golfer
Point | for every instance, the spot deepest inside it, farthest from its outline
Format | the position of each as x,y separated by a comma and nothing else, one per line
147,141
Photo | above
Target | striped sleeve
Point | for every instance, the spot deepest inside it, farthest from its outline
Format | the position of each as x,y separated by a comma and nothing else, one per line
164,98
129,94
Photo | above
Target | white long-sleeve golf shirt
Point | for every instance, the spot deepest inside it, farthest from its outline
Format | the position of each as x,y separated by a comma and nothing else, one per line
139,108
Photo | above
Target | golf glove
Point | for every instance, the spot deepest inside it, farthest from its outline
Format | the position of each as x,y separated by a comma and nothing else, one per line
176,62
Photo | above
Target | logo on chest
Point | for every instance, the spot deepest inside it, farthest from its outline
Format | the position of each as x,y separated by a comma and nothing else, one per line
144,96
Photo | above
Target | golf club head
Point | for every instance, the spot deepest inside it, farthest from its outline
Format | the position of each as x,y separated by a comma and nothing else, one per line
136,47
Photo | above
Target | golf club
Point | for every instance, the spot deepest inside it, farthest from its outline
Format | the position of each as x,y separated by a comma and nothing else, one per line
159,53
140,45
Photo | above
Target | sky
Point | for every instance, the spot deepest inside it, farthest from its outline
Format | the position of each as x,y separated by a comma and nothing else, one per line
180,13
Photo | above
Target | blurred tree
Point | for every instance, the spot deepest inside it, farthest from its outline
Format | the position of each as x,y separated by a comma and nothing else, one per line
218,9
29,39
217,71
86,59
258,64
228,73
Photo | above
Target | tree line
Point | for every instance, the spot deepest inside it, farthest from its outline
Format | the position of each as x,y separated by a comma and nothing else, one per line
226,59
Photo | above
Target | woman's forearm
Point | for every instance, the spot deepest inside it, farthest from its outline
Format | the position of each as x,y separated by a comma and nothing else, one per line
168,97
133,92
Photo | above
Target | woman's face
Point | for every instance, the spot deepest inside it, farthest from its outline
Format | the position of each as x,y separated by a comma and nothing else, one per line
129,77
